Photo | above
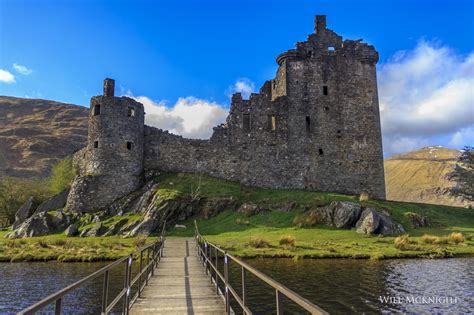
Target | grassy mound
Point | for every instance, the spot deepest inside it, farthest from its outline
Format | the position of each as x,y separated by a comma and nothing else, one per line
236,232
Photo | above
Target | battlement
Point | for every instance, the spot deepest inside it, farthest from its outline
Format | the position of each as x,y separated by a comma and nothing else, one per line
314,126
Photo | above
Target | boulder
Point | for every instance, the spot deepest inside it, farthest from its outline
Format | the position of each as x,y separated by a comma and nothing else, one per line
97,230
345,214
214,206
61,219
417,220
389,227
72,230
23,213
146,226
369,222
341,214
37,225
250,209
56,202
115,228
285,206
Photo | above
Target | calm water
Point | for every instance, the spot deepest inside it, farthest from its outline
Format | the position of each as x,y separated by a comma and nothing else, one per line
338,286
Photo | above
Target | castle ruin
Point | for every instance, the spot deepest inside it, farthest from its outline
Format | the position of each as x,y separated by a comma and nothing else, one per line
315,126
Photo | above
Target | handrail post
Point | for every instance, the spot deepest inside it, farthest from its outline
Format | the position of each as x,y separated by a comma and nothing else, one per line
105,293
279,302
217,277
147,265
244,292
140,276
126,299
205,256
226,279
57,308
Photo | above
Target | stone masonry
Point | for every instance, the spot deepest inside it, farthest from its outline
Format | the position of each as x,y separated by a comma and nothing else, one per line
315,126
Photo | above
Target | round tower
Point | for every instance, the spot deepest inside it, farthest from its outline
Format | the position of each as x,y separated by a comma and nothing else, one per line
112,162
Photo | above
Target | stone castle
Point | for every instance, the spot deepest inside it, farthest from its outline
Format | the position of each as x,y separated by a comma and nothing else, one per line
315,126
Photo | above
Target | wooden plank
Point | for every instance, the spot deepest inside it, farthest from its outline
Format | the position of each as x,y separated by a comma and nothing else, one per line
180,284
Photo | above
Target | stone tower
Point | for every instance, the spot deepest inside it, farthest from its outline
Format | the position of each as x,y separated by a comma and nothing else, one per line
111,165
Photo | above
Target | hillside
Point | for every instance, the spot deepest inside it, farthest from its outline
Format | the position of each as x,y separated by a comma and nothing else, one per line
423,176
35,134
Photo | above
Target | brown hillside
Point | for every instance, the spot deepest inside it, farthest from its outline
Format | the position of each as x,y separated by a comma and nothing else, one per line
422,176
35,134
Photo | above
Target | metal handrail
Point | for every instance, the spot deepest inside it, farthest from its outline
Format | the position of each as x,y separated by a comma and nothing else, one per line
153,251
205,254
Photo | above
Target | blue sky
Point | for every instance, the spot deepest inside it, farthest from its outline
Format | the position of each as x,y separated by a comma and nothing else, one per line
186,57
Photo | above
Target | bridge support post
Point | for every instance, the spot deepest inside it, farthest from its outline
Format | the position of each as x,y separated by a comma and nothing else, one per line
279,302
105,292
226,278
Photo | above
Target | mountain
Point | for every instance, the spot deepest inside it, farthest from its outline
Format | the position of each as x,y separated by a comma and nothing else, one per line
35,134
423,176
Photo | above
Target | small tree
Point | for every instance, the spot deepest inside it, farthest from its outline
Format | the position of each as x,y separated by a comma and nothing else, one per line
464,174
62,175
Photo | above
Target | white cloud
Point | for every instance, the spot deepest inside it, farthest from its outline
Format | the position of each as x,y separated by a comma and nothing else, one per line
426,93
462,138
6,76
189,117
242,85
22,69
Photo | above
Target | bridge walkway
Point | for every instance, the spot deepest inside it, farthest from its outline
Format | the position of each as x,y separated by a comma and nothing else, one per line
180,284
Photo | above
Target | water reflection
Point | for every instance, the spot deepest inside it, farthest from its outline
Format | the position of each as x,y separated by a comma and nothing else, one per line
338,286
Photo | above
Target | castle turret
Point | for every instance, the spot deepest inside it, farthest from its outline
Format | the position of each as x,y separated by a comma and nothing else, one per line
112,162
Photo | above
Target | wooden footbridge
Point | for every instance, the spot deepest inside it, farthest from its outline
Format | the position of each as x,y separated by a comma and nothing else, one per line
178,276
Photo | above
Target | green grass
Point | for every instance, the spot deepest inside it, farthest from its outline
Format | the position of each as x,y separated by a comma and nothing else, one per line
67,249
233,230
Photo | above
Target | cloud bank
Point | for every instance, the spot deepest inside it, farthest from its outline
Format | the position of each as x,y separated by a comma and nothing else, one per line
6,76
426,96
242,85
189,117
22,69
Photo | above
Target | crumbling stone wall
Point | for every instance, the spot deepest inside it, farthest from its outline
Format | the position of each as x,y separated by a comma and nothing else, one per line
315,126
111,165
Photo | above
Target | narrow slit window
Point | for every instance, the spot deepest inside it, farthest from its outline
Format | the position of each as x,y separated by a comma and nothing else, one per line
272,122
246,121
339,134
131,111
96,144
129,145
331,49
308,124
96,110
321,151
326,108
325,90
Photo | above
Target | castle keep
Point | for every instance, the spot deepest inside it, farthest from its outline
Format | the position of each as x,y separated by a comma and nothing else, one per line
315,126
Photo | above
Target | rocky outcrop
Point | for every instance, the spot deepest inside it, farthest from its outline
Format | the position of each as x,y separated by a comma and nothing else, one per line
372,222
97,230
56,202
72,230
38,225
23,213
368,222
250,209
340,214
214,206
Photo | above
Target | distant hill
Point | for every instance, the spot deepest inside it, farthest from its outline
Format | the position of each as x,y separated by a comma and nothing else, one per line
423,176
35,134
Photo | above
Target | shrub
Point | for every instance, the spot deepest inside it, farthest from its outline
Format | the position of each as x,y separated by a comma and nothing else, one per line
456,238
309,219
257,242
59,242
62,174
363,197
403,242
287,240
140,241
43,243
429,239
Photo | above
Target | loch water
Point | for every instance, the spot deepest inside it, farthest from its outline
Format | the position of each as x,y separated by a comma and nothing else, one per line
338,286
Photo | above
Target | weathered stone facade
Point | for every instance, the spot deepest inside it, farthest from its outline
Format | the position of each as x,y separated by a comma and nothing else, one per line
315,126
